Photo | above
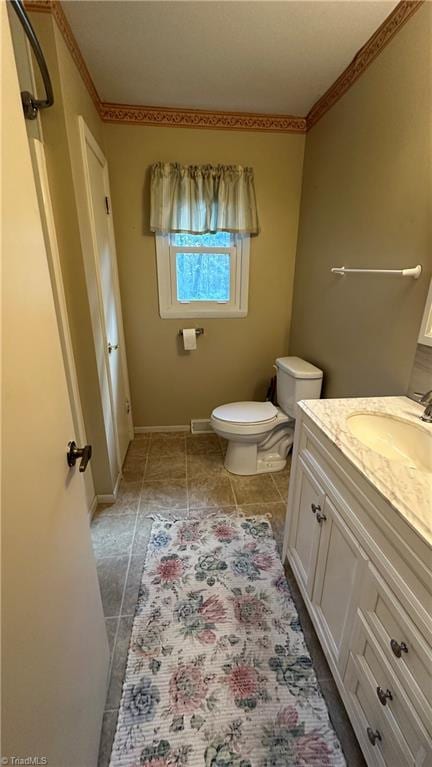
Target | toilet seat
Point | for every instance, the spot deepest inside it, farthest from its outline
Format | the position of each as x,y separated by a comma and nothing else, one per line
245,419
246,413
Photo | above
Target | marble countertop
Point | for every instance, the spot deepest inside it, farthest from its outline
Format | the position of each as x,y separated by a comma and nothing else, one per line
409,491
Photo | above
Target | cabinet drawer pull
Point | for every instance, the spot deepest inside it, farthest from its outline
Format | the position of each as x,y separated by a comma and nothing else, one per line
398,647
383,695
315,507
373,735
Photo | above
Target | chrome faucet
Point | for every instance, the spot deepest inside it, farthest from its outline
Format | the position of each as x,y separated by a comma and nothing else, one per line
426,399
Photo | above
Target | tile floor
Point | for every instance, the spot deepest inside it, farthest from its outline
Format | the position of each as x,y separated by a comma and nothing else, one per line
183,472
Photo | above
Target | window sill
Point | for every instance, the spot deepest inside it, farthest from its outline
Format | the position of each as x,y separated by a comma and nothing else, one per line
204,313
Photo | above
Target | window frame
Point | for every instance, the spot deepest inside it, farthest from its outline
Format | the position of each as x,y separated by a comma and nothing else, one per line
171,308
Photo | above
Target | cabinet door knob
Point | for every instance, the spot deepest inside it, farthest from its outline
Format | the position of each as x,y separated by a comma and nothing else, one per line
373,735
315,507
383,695
320,517
112,348
398,647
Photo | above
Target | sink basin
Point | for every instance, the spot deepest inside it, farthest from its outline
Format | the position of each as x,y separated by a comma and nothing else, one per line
394,438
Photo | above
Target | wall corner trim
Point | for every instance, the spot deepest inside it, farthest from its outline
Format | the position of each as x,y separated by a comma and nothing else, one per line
93,507
363,58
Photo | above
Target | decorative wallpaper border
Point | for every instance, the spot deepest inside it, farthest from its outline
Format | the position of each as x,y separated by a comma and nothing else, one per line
173,117
40,6
200,118
365,56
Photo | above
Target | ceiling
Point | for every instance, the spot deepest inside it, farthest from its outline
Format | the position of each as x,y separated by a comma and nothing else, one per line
249,56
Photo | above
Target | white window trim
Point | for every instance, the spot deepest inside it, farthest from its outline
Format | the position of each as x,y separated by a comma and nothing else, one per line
170,308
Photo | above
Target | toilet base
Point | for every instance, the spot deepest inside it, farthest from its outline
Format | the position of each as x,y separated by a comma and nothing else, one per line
247,459
271,463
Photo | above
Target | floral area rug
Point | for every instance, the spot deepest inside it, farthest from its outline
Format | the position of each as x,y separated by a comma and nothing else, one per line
218,673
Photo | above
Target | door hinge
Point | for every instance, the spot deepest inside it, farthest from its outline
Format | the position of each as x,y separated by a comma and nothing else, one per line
107,206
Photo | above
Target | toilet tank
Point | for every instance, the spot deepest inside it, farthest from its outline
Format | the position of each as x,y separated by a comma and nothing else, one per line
296,380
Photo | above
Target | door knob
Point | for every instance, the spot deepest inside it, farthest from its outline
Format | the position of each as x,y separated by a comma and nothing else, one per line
373,735
74,452
398,648
112,348
383,695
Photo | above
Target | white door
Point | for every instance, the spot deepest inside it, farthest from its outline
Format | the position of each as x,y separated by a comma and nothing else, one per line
99,209
339,571
37,152
54,645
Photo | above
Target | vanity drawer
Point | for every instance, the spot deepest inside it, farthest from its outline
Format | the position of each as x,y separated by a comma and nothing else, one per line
406,650
366,716
390,702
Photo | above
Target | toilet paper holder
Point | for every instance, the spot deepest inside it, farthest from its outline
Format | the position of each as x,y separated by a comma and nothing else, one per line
199,332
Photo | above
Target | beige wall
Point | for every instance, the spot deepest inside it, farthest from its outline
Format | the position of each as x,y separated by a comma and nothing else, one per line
61,141
366,202
234,358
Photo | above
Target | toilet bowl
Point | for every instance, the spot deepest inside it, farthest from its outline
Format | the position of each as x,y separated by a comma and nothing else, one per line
260,435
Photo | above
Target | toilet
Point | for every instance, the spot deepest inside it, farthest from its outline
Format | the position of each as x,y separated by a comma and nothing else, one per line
259,434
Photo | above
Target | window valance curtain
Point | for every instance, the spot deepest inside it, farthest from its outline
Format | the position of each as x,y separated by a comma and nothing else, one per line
203,198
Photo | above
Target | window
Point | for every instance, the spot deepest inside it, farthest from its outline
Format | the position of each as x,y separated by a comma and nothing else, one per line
203,275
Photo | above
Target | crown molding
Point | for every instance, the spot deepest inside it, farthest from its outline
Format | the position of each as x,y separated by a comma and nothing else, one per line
201,118
365,56
173,117
39,6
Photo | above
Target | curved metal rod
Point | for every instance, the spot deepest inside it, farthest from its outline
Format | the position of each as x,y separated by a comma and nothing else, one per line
31,105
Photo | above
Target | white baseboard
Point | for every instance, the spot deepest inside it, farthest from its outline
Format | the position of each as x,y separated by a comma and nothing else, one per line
106,498
110,497
201,426
144,429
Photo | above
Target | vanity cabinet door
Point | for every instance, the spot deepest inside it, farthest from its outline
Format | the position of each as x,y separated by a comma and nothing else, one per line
305,531
340,568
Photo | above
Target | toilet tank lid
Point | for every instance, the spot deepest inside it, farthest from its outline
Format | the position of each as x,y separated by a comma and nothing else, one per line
298,368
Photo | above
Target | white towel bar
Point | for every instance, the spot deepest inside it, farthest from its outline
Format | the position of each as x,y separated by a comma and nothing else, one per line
414,271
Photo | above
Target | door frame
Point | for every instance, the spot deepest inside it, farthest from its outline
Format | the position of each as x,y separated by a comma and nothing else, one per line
26,77
37,152
92,270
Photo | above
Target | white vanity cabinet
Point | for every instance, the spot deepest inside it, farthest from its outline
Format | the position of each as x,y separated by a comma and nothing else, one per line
338,577
366,578
305,530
